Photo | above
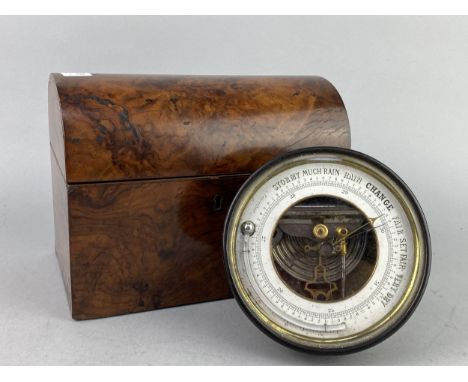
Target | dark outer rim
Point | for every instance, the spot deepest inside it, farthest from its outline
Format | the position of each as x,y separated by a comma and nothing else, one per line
425,239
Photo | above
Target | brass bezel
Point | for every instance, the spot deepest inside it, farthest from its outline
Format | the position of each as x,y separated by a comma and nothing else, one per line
420,267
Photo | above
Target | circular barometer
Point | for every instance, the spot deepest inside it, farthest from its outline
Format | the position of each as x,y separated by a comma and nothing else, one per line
327,250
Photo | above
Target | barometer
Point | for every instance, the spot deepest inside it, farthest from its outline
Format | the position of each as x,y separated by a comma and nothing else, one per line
326,250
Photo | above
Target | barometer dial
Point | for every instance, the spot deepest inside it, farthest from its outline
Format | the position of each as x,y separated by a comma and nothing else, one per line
326,249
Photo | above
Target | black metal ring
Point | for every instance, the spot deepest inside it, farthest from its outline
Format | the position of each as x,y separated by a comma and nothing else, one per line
425,238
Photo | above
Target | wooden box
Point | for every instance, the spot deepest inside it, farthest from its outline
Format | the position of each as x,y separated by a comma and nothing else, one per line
144,169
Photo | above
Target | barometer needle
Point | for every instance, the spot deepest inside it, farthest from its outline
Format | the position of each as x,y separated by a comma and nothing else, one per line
370,221
366,230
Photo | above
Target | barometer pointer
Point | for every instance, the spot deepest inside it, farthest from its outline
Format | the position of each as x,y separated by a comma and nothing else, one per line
343,250
371,221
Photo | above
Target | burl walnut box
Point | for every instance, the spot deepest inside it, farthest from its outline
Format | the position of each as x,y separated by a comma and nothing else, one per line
144,169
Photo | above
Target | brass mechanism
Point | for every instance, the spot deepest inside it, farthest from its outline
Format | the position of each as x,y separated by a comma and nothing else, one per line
342,233
320,231
317,244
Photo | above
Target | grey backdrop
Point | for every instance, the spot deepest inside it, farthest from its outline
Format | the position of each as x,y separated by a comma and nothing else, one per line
403,80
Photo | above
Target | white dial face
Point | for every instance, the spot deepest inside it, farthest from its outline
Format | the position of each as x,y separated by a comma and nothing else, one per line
325,250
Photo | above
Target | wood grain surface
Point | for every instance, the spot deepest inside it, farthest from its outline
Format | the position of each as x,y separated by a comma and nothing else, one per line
120,127
139,246
145,167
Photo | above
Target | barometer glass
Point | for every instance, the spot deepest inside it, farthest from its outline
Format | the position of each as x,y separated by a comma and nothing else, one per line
327,250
